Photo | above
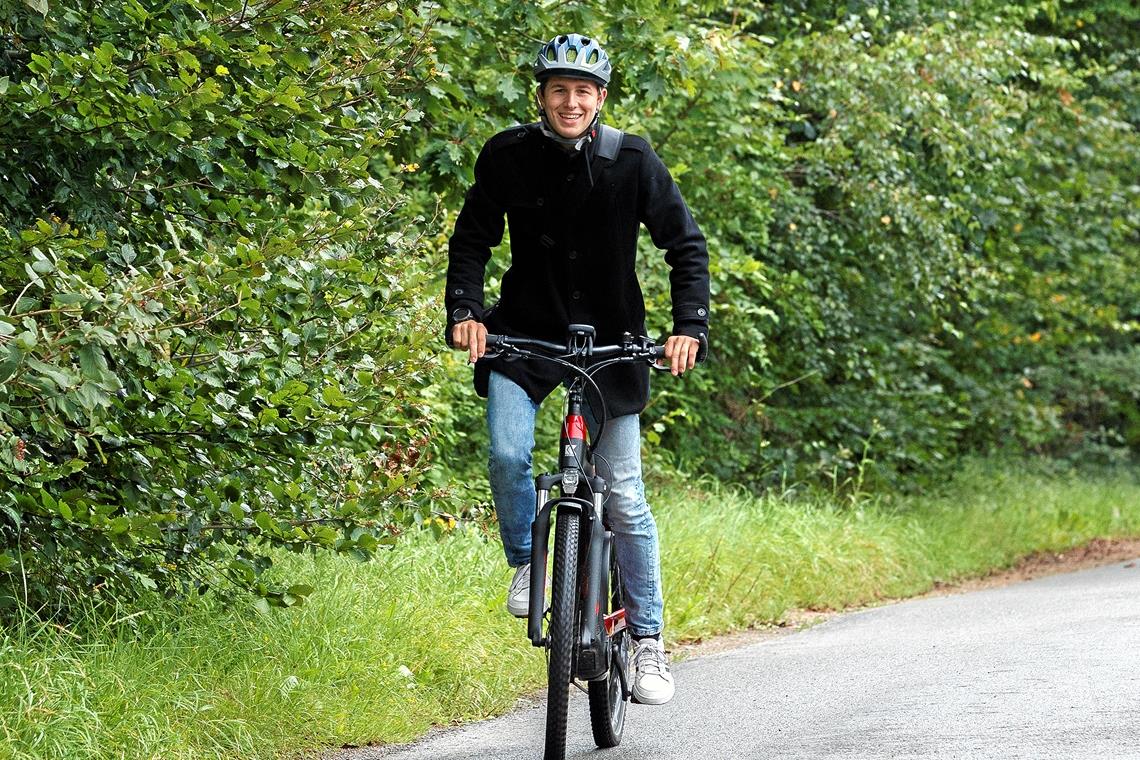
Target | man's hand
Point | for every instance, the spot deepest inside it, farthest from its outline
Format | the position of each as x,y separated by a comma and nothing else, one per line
681,353
471,336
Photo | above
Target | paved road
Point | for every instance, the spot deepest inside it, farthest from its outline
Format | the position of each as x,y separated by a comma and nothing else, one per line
1043,669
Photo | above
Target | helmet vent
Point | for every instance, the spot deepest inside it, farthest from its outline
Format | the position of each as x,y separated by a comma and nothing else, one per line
574,56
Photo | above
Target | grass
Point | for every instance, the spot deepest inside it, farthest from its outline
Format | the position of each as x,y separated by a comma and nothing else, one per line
773,554
387,649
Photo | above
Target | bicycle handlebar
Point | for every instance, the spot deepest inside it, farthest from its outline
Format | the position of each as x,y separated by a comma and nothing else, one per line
633,349
580,346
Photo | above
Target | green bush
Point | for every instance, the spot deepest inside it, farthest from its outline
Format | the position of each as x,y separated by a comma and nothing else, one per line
213,326
223,226
907,206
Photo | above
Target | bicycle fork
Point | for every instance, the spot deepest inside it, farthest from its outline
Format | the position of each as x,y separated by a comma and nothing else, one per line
574,463
540,545
593,655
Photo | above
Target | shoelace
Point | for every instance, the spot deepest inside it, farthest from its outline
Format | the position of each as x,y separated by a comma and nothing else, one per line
651,658
521,581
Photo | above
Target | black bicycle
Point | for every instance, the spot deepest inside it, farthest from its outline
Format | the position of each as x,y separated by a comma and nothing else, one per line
584,629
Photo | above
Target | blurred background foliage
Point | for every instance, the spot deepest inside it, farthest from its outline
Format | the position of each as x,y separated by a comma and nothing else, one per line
223,226
922,216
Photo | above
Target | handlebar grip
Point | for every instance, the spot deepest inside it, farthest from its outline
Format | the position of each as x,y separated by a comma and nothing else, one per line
703,349
495,345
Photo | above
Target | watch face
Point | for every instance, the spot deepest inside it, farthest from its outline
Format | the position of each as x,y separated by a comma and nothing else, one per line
460,314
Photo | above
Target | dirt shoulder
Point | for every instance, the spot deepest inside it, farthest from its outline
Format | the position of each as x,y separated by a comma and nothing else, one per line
1098,552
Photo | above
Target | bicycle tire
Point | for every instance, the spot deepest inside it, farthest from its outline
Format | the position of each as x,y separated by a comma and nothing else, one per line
562,632
607,703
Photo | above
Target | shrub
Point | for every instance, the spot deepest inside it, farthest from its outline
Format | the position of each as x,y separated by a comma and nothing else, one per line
213,292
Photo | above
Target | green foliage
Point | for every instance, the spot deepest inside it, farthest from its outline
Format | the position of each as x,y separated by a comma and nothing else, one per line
1093,402
212,326
909,207
223,225
938,196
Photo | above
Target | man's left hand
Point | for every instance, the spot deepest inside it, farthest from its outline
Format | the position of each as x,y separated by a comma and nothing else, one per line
681,353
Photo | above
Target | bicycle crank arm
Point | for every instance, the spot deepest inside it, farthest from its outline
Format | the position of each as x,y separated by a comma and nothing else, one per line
623,671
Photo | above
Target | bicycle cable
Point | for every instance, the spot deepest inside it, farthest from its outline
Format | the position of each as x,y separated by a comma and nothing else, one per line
586,374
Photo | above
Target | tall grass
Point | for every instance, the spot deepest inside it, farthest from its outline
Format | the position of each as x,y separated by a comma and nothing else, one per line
383,651
386,649
732,559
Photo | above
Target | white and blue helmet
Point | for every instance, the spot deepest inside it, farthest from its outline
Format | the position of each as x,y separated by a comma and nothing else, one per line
572,55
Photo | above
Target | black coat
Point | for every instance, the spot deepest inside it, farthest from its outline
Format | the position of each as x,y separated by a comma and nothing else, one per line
573,253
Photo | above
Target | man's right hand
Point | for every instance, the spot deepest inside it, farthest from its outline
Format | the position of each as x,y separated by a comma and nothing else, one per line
470,336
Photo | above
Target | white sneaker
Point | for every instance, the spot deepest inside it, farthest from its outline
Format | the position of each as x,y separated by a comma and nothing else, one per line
518,595
652,682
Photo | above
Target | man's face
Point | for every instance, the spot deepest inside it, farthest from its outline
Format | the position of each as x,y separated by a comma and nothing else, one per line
570,104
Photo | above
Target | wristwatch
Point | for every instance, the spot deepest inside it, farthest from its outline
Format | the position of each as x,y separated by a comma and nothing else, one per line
462,314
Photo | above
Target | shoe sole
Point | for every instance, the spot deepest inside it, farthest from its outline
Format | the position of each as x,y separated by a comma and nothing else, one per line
640,701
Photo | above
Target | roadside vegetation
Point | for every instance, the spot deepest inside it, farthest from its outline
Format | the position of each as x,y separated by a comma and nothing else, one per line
223,389
419,637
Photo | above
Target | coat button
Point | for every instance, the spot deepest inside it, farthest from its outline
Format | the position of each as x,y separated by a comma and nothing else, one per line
539,201
570,177
702,311
458,291
573,254
577,294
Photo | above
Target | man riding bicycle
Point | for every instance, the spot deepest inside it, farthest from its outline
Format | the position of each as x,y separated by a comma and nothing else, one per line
575,194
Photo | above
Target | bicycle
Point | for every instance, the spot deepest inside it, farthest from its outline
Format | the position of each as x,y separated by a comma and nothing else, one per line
586,636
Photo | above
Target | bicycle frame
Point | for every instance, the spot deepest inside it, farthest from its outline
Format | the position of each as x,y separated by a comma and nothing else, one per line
577,476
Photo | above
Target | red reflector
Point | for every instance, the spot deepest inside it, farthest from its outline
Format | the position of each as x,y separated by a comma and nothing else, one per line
614,622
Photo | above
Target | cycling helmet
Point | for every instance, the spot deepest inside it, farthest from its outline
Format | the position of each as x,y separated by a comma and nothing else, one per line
572,55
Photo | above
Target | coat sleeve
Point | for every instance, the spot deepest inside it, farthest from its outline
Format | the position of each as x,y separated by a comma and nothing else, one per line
673,229
478,229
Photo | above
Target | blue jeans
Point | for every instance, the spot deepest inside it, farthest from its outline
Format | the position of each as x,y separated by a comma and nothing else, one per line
510,419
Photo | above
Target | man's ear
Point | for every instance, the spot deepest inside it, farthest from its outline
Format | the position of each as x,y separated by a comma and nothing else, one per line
602,92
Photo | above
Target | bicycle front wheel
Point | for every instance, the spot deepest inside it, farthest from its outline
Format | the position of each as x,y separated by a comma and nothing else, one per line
562,631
